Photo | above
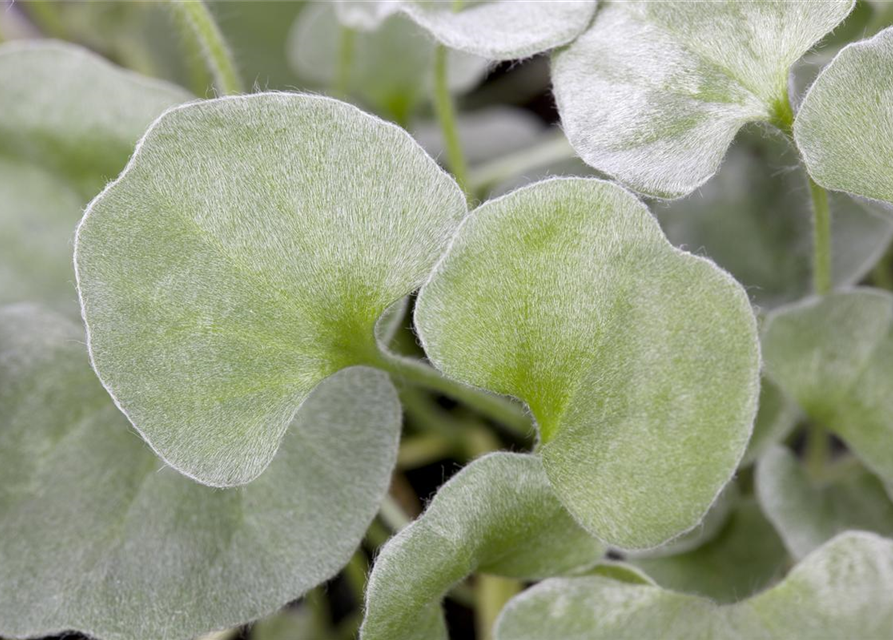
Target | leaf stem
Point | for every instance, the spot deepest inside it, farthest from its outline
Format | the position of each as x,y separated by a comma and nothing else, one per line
446,114
554,149
346,39
204,30
817,452
492,594
392,514
821,264
498,408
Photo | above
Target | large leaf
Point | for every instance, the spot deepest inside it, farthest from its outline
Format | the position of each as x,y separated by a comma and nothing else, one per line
845,126
834,356
245,255
492,29
840,591
95,536
654,92
391,68
807,515
70,121
634,357
498,516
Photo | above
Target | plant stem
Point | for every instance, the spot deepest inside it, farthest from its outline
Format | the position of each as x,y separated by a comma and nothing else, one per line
821,259
492,594
554,149
204,30
497,408
393,515
817,452
345,61
446,114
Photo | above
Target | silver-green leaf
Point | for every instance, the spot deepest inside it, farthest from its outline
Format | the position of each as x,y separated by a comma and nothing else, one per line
97,536
498,516
654,92
633,356
845,125
243,256
834,356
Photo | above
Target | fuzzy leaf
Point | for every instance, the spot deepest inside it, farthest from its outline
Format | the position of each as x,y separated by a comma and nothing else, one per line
653,93
57,153
807,515
245,255
95,537
845,125
499,516
633,356
834,356
841,590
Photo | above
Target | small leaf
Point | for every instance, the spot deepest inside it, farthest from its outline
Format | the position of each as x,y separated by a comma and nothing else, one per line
70,121
653,93
845,126
745,557
245,255
499,516
842,590
807,515
95,537
834,356
634,357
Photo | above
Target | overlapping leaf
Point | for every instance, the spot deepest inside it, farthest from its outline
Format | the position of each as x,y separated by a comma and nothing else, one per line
497,516
834,356
634,357
654,92
807,514
95,536
845,126
245,255
842,590
492,29
70,121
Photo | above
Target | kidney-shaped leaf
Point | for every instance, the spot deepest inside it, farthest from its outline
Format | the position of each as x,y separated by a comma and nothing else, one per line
633,356
834,356
70,121
244,255
654,92
498,516
841,590
95,537
845,126
807,515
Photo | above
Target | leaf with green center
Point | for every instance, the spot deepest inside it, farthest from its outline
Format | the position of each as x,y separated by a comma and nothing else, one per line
633,356
807,515
55,154
95,537
834,356
842,590
391,68
653,93
498,516
745,557
242,257
492,29
845,125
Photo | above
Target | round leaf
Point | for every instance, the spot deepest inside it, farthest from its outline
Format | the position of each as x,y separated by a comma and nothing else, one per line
243,256
95,537
654,92
633,356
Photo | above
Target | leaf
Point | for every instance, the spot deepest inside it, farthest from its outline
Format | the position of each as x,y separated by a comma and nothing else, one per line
499,516
754,218
807,515
95,537
745,557
845,126
391,67
634,357
840,591
57,148
492,29
653,93
245,255
834,356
